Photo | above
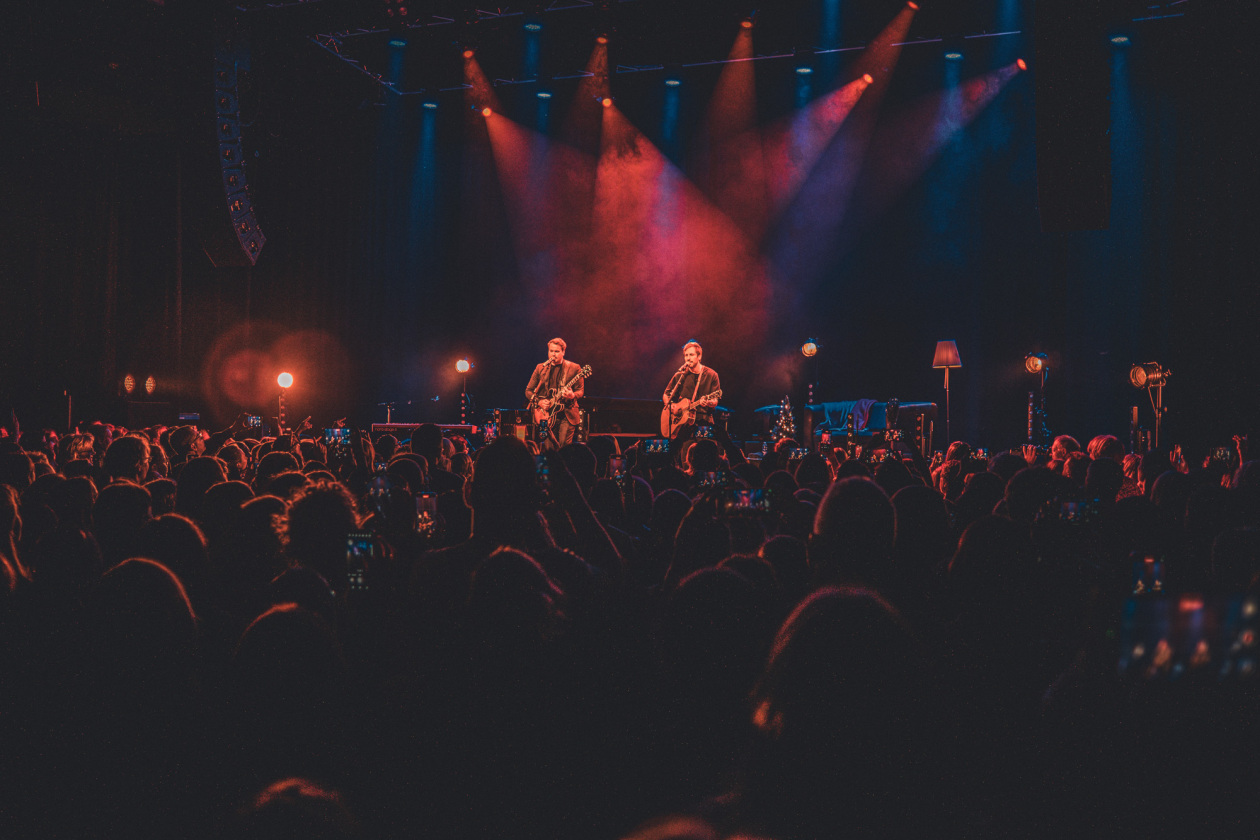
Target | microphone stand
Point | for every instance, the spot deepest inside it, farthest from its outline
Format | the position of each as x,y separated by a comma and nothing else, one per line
674,382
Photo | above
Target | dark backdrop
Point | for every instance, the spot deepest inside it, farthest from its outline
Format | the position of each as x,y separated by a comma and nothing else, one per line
113,211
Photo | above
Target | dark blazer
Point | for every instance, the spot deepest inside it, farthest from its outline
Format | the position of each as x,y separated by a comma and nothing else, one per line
708,382
538,382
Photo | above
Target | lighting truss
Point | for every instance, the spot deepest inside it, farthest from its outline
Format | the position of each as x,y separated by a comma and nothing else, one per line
336,42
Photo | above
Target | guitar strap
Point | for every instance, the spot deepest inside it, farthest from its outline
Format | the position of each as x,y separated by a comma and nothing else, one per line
699,374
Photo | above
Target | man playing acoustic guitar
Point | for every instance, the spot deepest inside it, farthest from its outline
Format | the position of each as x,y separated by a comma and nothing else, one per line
547,391
690,396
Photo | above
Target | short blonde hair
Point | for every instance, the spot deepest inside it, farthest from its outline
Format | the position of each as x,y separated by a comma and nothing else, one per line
695,344
559,342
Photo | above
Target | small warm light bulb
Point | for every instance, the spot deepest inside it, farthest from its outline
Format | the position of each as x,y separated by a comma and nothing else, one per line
129,383
1021,64
285,380
150,385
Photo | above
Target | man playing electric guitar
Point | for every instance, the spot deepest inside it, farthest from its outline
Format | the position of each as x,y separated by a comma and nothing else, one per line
545,389
690,396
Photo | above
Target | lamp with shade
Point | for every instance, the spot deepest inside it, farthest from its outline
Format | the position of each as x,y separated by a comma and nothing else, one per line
946,357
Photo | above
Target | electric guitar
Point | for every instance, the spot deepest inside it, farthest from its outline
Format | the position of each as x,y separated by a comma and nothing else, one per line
678,415
549,414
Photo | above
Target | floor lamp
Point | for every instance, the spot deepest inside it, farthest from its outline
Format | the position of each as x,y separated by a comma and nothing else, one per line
946,357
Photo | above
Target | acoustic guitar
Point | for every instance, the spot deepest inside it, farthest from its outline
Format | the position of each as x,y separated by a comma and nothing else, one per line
549,414
678,415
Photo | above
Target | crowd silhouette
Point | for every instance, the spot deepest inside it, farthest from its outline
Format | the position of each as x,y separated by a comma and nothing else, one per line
229,635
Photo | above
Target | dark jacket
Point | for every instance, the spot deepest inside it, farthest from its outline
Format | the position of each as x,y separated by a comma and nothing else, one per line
538,384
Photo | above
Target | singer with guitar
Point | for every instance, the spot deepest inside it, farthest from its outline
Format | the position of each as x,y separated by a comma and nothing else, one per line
556,381
691,395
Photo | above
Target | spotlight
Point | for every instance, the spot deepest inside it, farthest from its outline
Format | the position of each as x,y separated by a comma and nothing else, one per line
810,347
1149,375
953,55
468,53
1153,377
1036,363
914,7
1021,64
602,40
463,366
606,102
150,385
804,60
747,23
485,112
533,26
429,104
129,383
673,75
284,380
868,78
1120,40
397,43
543,94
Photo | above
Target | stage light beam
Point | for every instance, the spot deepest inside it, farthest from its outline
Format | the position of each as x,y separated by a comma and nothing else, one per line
284,380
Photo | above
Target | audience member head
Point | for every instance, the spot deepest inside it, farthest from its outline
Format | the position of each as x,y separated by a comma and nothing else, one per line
1106,447
702,540
1104,480
177,543
513,604
163,492
891,474
77,447
297,809
272,465
1028,490
17,470
581,462
315,528
788,557
952,479
198,476
853,534
504,485
704,457
921,532
1075,468
287,484
127,459
1063,446
386,448
121,511
427,441
812,471
1006,464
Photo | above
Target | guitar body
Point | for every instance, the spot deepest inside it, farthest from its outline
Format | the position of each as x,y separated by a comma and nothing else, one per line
549,414
677,416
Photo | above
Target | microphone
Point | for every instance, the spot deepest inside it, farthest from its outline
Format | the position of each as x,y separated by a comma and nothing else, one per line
681,369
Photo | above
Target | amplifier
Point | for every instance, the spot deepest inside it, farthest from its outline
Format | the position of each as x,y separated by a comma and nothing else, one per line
408,429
